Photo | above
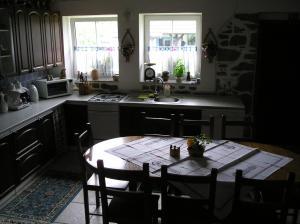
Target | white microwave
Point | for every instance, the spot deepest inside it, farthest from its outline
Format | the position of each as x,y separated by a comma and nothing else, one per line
54,88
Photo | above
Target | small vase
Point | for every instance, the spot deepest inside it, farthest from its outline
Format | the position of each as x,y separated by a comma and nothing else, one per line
165,76
178,79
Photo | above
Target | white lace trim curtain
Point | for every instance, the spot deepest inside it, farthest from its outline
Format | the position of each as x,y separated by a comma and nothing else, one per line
100,58
172,54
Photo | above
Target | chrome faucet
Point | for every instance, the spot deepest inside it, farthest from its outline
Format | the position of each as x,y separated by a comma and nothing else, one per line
156,81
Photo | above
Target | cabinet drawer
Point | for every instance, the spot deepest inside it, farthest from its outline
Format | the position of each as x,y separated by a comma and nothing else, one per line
29,161
25,139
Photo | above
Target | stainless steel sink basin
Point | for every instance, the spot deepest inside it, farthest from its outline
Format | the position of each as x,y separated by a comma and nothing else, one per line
134,99
166,99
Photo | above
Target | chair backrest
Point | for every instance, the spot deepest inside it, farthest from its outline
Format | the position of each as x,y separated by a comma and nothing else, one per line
84,141
157,126
246,125
262,196
206,202
144,196
192,127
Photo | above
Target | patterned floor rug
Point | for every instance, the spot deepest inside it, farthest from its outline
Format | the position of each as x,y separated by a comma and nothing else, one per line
42,201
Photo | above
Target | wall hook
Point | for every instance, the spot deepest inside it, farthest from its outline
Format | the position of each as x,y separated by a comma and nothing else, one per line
127,45
210,46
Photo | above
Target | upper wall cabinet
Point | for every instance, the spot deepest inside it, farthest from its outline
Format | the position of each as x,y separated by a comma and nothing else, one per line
35,31
57,38
22,38
48,40
7,56
39,39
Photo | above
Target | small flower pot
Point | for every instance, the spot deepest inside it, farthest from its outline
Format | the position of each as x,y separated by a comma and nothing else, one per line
178,79
196,150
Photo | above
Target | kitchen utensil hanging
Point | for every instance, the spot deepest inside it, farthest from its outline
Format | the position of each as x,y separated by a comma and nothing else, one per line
127,45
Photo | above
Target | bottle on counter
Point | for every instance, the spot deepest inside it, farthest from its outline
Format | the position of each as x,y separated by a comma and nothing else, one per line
167,90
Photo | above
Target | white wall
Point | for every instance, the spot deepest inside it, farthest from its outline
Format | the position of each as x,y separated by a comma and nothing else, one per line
215,14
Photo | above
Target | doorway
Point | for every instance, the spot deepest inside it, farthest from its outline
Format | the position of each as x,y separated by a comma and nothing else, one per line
276,95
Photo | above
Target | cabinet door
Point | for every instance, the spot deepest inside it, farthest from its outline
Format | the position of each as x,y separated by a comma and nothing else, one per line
22,41
76,119
46,136
7,171
36,39
58,39
48,37
7,57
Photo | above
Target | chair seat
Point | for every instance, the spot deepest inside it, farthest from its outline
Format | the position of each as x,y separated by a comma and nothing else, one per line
130,209
191,210
250,216
93,181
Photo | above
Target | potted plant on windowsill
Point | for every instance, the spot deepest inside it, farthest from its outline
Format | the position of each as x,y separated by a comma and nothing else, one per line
196,145
179,70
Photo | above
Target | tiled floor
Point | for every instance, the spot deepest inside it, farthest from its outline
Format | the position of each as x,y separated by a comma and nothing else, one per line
74,212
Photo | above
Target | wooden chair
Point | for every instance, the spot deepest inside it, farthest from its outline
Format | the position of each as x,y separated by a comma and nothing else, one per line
132,207
191,127
246,125
157,126
90,181
260,201
183,208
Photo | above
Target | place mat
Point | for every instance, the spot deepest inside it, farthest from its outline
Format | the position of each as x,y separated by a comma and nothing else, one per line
42,201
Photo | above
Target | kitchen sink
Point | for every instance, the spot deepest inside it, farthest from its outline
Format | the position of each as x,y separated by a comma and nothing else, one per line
166,99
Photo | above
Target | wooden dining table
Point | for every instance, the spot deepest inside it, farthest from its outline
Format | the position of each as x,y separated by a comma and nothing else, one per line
98,151
224,189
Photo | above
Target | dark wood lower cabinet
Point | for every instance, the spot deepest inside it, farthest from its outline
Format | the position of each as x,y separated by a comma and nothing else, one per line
7,166
130,118
24,152
76,118
29,162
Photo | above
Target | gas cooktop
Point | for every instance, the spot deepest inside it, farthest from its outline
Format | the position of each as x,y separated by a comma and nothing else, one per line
107,97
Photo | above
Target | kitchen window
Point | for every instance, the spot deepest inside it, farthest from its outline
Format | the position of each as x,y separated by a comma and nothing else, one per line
95,45
169,38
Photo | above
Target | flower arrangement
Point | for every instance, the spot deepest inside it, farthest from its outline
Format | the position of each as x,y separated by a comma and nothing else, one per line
196,145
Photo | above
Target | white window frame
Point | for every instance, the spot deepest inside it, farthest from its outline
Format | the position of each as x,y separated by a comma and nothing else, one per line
145,35
89,18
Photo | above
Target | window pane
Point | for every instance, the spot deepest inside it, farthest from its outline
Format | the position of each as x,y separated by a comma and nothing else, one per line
85,33
170,40
97,47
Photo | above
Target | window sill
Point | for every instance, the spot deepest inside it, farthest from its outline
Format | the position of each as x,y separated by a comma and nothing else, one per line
97,81
183,82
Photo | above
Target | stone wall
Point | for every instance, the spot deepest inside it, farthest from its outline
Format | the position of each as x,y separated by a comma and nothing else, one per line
236,58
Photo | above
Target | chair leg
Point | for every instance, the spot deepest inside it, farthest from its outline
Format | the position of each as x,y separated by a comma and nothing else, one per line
295,216
86,206
97,195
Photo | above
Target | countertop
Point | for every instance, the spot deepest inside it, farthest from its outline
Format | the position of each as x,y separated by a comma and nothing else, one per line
14,120
188,101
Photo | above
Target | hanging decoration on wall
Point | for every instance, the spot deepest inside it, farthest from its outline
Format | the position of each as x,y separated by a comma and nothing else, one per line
127,45
210,46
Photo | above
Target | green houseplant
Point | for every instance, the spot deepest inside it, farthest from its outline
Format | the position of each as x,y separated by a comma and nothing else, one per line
196,145
179,69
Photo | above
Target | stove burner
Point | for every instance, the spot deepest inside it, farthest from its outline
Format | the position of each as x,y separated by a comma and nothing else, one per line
107,97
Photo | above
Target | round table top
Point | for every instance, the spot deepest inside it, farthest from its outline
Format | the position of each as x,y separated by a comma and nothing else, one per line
98,152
